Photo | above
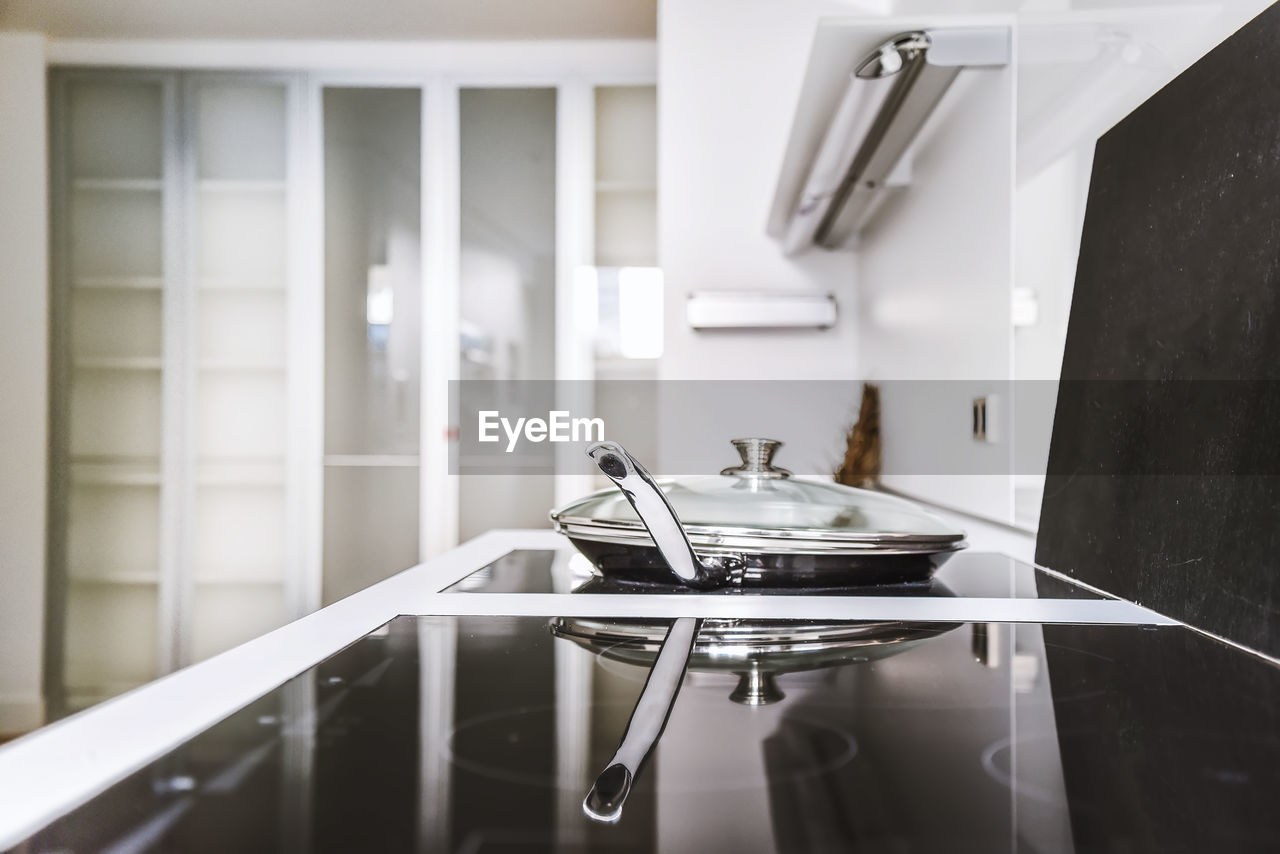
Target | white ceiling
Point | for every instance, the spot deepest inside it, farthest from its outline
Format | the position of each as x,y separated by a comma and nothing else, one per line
334,19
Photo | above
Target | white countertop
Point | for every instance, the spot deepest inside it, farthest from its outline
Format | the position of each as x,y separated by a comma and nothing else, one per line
51,771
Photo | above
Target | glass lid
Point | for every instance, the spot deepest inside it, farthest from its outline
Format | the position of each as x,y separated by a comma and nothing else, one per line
759,498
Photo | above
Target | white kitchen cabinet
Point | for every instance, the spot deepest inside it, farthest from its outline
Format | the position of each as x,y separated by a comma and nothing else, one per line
262,285
170,537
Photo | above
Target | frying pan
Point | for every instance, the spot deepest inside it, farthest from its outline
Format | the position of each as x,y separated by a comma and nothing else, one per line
751,526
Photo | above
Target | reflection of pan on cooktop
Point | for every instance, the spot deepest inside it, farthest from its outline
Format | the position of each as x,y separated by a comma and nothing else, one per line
757,650
614,584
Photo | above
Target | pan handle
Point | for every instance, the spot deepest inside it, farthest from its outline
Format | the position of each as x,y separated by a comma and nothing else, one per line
604,802
656,513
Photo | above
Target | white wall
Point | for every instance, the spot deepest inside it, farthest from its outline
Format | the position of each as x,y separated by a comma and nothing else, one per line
730,72
729,75
925,295
24,402
1050,214
935,277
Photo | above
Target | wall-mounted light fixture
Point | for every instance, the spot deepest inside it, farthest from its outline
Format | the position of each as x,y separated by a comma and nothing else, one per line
761,310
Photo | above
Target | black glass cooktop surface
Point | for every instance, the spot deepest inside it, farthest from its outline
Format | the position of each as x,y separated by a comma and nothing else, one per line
480,734
966,574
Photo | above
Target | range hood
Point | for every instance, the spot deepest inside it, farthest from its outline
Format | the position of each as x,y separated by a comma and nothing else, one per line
853,125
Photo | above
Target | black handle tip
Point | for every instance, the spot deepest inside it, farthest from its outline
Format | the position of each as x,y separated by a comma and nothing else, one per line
612,466
604,801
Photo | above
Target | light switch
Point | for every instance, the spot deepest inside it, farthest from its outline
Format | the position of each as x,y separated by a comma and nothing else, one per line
984,419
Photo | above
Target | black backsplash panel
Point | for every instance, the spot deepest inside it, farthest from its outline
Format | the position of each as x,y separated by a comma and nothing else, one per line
1169,496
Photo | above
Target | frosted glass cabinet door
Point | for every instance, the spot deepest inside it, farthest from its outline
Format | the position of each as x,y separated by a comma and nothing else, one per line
235,573
370,526
373,269
508,273
169,453
373,334
109,194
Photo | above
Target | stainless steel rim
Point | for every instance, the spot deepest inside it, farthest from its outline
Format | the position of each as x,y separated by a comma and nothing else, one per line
773,540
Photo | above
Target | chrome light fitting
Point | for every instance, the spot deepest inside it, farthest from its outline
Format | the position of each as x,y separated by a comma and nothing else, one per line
886,101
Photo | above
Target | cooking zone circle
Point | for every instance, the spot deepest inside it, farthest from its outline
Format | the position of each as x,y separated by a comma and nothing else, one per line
476,745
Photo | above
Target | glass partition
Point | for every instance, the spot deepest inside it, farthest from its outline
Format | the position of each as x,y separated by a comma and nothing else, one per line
507,299
373,334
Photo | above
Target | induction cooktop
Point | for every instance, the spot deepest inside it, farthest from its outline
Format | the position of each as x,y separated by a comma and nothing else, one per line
965,575
484,733
1000,707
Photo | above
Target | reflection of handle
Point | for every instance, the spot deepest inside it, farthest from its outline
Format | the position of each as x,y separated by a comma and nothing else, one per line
656,513
604,801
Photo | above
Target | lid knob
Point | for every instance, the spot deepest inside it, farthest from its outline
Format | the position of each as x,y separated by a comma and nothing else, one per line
757,458
756,688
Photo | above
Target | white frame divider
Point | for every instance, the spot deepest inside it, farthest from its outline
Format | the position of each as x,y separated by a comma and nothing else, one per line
575,250
304,461
175,376
441,254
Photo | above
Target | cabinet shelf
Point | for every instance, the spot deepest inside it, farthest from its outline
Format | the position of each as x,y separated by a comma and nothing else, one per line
241,286
98,578
114,474
231,186
638,255
118,283
119,363
248,367
626,187
267,473
147,185
239,580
